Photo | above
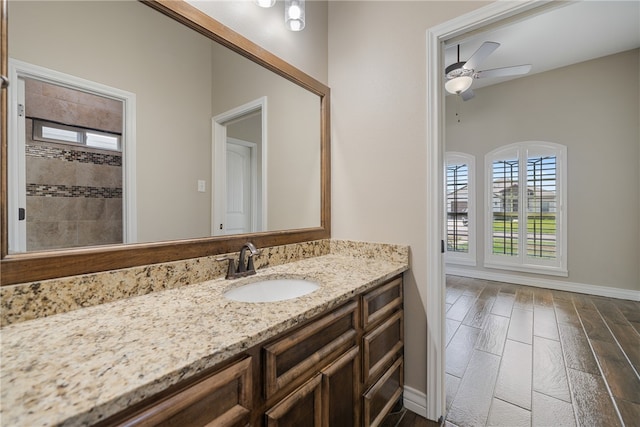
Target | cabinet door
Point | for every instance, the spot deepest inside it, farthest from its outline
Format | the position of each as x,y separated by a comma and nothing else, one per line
303,407
341,391
381,397
223,399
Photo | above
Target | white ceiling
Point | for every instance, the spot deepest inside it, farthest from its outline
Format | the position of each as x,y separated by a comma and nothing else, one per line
569,34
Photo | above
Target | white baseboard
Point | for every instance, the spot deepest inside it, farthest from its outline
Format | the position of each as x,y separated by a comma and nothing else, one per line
542,282
415,401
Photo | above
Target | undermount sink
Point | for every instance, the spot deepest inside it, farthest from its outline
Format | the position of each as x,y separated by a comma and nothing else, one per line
271,290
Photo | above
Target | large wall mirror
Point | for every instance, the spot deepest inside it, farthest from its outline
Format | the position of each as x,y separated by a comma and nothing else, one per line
165,137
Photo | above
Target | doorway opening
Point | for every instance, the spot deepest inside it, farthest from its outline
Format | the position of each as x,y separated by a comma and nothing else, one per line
436,229
71,169
239,173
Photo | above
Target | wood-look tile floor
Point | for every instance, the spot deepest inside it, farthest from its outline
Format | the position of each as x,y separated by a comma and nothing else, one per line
523,356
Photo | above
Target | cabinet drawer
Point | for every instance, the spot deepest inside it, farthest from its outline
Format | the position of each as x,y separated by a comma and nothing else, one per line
294,357
303,407
381,397
222,399
381,346
381,302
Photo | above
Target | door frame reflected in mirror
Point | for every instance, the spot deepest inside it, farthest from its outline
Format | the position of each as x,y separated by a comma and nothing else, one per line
17,169
219,173
35,266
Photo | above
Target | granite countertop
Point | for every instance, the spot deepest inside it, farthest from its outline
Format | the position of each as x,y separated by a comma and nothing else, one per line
82,366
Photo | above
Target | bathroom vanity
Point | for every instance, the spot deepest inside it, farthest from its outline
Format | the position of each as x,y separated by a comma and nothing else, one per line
307,376
190,356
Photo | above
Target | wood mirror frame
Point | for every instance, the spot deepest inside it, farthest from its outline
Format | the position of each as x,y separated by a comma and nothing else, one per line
35,266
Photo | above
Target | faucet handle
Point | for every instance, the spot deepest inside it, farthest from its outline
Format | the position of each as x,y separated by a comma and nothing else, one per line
231,269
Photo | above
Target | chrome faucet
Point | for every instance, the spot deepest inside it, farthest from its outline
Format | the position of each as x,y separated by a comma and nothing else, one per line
245,268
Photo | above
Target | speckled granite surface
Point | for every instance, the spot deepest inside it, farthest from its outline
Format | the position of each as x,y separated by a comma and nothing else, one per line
81,366
26,301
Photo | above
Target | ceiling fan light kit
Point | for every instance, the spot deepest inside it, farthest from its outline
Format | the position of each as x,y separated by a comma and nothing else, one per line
460,76
458,85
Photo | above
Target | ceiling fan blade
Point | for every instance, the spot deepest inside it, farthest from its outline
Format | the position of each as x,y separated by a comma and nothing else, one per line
480,55
467,95
515,70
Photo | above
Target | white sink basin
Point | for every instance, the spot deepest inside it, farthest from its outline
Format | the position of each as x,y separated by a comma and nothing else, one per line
271,290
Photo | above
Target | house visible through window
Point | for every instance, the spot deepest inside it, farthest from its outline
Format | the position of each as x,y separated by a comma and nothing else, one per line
541,207
460,211
56,132
525,186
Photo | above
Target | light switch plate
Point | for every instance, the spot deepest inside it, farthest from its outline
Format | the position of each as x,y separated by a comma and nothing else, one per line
201,186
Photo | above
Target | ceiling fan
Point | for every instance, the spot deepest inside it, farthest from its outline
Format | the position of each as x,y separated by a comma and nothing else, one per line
459,76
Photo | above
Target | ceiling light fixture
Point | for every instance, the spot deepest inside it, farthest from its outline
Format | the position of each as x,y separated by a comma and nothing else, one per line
294,14
458,78
458,85
265,3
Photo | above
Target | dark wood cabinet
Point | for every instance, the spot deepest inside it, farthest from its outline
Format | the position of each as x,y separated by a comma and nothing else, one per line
326,351
303,407
381,346
383,394
342,369
223,399
380,302
382,351
302,353
341,391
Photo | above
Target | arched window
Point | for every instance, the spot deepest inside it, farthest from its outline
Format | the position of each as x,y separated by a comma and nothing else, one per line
460,193
525,209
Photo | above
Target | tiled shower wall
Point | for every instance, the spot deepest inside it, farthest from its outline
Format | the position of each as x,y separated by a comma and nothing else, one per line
74,193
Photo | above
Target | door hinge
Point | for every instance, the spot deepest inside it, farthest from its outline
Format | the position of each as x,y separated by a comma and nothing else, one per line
20,110
441,246
22,214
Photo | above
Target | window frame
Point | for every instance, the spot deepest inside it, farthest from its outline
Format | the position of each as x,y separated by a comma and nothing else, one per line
463,258
522,262
83,134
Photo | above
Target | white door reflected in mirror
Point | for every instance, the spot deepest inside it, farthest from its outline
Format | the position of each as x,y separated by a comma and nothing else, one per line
240,170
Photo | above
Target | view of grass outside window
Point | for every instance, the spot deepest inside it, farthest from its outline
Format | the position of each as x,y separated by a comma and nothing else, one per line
541,207
505,207
457,208
525,221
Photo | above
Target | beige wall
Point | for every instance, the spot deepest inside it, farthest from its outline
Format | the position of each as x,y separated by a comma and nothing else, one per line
247,129
306,50
593,109
293,136
377,75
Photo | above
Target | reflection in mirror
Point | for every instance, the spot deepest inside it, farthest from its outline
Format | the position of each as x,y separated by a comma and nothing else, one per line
244,175
71,184
160,183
